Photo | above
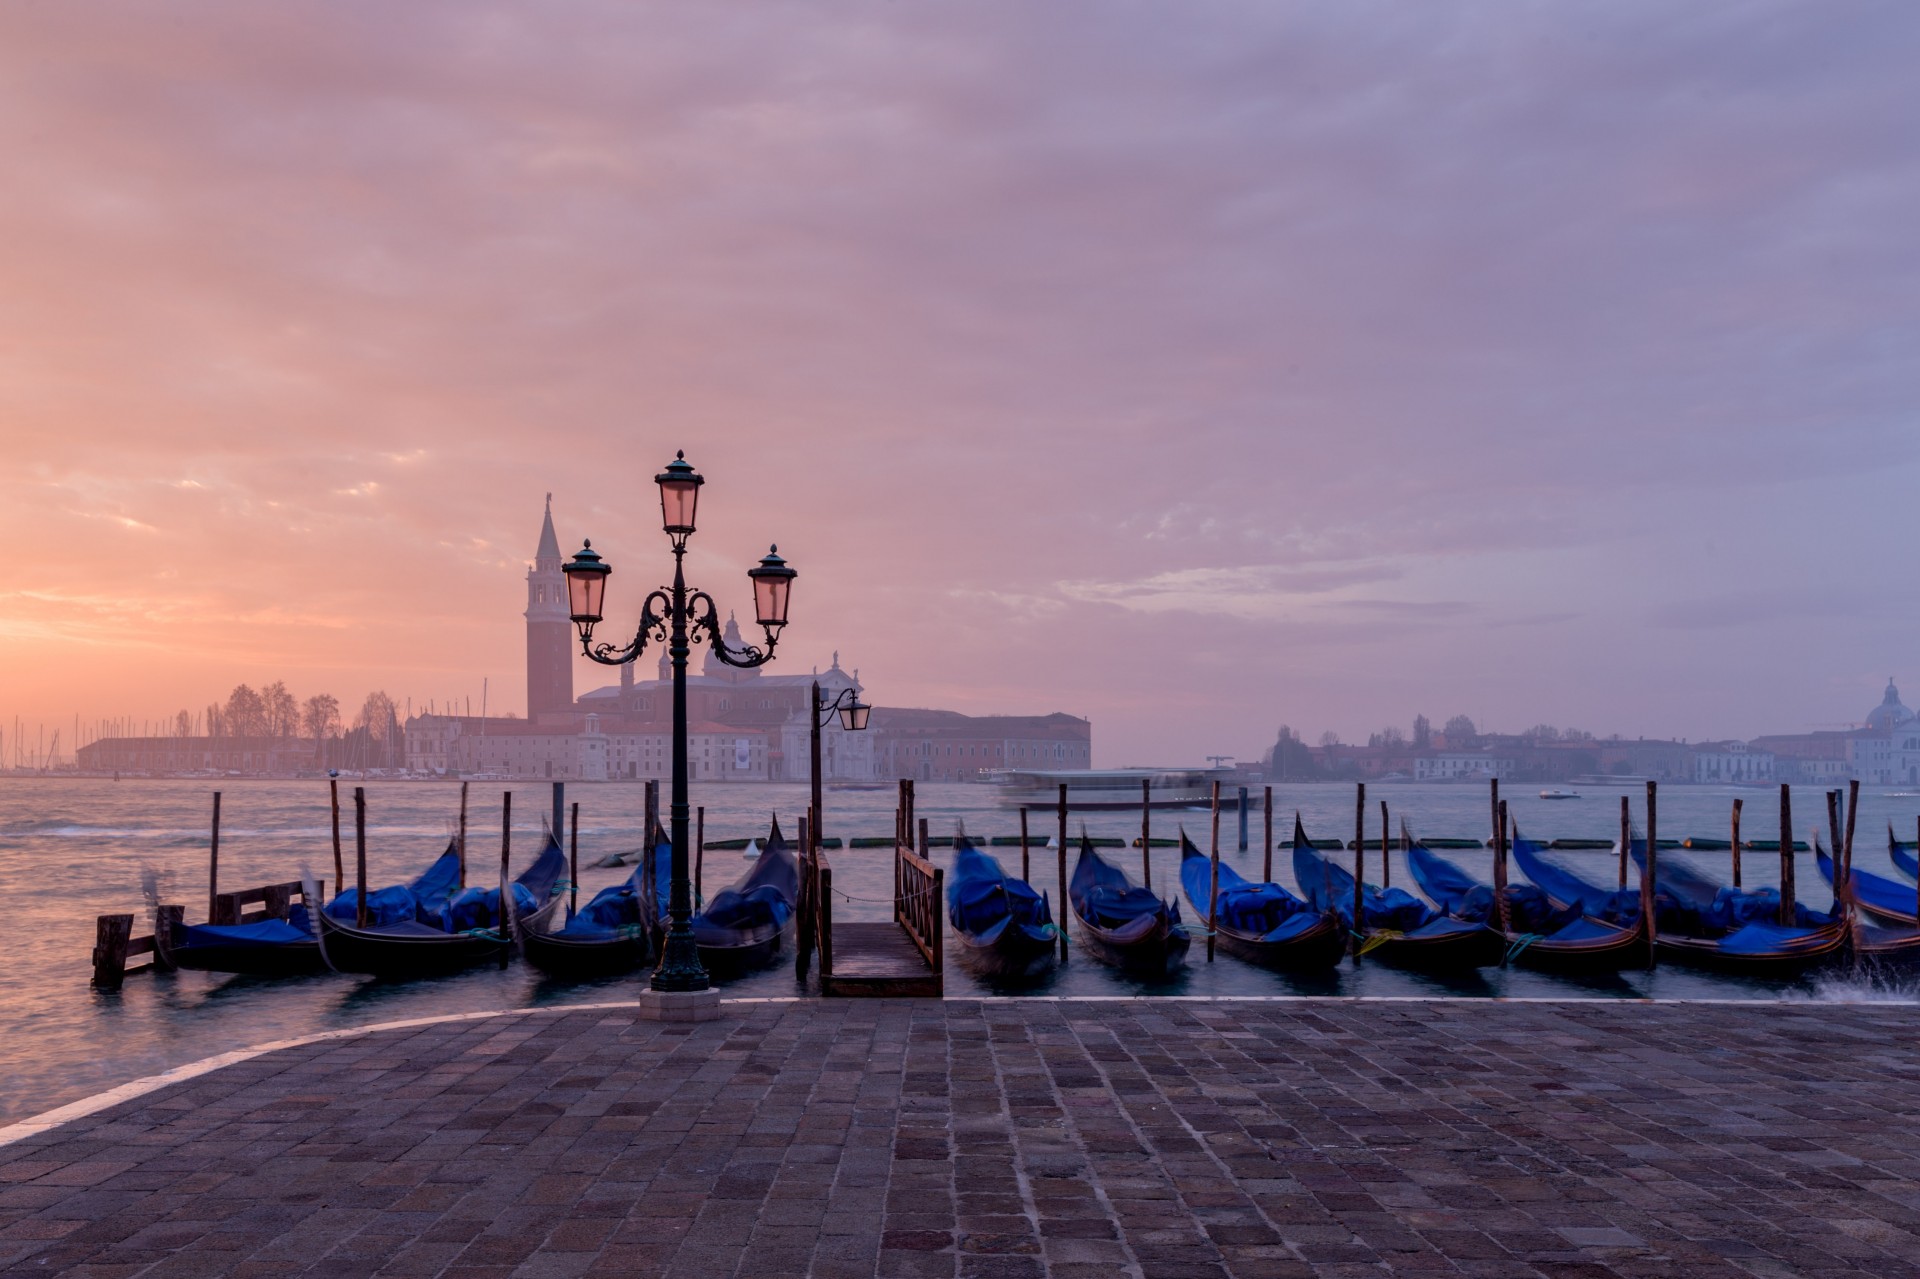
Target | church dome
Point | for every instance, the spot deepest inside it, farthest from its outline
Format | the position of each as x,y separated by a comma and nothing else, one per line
1889,714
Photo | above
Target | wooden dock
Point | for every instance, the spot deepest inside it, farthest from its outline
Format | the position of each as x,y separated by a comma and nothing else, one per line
903,957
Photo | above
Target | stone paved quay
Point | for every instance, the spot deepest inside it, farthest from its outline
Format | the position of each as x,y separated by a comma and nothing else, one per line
1126,1137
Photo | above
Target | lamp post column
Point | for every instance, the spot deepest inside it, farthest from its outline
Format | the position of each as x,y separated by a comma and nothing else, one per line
813,828
680,968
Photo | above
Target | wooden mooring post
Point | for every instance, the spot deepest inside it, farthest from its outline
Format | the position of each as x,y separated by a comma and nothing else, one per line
1786,855
213,862
1359,863
1146,833
1213,880
1500,873
1853,807
1266,814
461,847
339,868
1066,904
1626,838
1026,867
360,855
1649,875
1736,843
573,862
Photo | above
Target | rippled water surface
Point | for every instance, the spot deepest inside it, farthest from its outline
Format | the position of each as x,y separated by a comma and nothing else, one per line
73,849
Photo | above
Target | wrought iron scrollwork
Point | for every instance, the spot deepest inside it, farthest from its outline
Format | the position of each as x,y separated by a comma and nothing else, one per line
703,616
654,616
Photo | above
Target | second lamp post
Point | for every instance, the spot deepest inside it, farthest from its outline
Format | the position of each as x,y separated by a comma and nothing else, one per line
853,718
675,617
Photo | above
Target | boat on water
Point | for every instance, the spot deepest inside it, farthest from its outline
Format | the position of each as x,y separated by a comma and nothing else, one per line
1395,927
1881,915
1886,900
604,938
1559,794
283,947
1544,935
1263,924
1122,923
1706,924
742,927
423,934
1111,789
1004,927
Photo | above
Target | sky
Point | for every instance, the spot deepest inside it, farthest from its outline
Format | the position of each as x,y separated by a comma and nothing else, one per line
1194,368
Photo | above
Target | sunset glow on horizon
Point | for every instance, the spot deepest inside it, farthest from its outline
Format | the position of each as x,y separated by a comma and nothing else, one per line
1192,369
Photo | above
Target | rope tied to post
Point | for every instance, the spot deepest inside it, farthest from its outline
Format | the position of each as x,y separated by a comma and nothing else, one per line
1520,943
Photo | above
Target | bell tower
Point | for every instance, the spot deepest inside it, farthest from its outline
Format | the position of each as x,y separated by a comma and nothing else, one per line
549,628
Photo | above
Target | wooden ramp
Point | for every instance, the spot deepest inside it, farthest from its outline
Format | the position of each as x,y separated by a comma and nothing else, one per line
900,958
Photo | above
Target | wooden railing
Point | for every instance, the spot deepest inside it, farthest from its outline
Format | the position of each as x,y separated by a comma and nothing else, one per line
822,894
918,898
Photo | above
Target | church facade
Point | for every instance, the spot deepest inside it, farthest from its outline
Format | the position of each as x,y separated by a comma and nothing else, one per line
743,725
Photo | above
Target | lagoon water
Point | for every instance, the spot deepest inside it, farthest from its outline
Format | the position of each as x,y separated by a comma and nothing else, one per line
73,849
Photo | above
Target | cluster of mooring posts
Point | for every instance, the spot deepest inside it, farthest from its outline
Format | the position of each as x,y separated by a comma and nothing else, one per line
1559,919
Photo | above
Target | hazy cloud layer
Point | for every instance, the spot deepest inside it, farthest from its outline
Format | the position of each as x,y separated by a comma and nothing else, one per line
1193,367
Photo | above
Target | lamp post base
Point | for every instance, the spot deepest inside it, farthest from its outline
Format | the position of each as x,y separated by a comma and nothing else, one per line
680,1005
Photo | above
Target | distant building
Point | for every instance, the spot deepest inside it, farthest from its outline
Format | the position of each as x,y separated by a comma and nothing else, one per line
274,755
946,746
1456,766
1719,763
1811,759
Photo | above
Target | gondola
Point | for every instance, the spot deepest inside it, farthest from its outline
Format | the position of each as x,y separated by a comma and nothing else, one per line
1885,899
407,938
1396,927
1704,924
742,928
1004,927
1542,935
270,948
1124,924
288,947
604,938
1261,923
1889,939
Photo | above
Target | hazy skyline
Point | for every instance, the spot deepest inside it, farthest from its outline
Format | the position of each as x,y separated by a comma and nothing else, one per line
1195,369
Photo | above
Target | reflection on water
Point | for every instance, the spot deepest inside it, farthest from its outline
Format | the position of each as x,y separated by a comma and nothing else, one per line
70,850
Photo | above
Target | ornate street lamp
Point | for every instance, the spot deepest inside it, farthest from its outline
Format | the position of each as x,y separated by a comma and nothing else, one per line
677,617
853,718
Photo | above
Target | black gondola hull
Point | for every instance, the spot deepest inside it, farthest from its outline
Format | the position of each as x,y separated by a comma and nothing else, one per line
355,950
1013,955
1319,949
750,952
1159,953
580,958
1827,948
1450,953
398,955
1594,958
289,959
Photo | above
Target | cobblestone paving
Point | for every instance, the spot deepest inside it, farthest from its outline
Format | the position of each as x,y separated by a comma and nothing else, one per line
1017,1138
